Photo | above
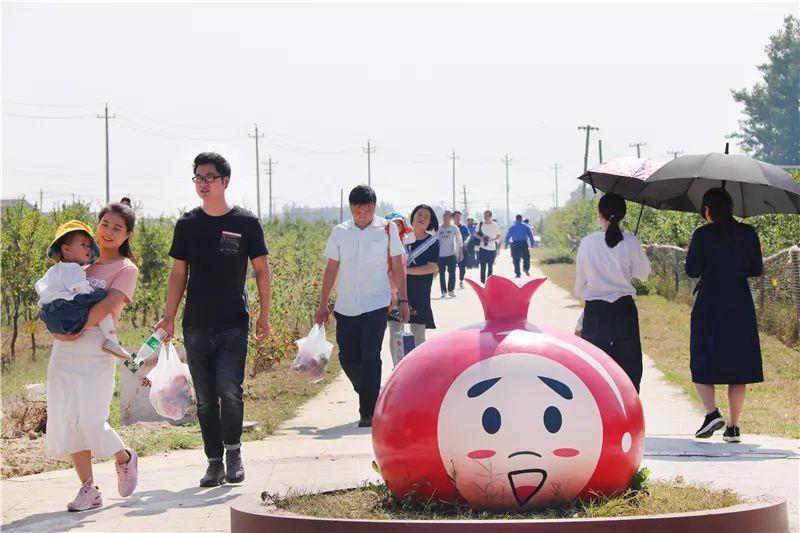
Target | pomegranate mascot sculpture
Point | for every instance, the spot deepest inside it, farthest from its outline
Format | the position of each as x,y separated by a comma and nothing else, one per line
507,415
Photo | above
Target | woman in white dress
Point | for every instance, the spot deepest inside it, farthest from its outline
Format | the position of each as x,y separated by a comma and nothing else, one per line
80,375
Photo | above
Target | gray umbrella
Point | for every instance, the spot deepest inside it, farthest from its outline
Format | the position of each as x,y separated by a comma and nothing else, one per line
757,188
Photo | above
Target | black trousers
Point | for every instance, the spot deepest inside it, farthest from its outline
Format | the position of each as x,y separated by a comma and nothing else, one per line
520,251
614,328
360,339
216,361
462,265
486,259
449,264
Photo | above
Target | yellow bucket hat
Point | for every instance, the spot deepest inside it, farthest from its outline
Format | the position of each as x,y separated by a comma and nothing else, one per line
69,227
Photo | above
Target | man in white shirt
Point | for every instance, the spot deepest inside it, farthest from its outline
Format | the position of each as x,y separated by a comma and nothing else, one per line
359,251
488,232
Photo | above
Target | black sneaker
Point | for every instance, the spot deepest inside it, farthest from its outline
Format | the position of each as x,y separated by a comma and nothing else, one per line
215,475
365,422
711,423
234,466
732,434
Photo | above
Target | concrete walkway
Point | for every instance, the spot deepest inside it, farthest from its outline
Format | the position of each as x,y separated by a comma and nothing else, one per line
321,449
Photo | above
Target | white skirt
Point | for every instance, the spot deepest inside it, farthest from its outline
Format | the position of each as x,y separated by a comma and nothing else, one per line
80,386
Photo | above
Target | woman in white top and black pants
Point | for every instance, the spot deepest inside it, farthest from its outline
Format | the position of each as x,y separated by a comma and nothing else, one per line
607,261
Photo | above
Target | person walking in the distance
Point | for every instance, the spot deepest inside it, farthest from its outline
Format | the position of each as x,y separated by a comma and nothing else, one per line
607,261
450,253
488,234
210,248
519,234
358,251
724,348
464,261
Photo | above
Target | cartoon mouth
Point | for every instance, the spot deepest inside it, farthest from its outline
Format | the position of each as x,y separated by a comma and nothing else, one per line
526,483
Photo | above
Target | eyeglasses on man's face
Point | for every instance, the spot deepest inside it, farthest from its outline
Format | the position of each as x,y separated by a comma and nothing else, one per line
205,179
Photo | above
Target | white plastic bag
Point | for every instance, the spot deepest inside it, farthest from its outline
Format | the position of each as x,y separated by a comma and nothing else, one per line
171,390
313,353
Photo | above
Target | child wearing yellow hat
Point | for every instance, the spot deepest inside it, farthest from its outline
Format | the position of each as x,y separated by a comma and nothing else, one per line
65,294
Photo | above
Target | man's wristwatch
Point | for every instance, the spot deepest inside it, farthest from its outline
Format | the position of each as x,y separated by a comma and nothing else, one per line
402,301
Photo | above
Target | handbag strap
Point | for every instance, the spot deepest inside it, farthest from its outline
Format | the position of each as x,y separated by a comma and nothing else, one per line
419,250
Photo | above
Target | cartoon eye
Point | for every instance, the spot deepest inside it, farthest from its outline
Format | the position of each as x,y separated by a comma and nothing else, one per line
491,420
552,419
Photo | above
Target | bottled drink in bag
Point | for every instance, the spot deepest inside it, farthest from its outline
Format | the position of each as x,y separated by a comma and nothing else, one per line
146,350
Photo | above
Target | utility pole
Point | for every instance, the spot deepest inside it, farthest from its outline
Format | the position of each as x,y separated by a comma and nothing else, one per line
270,162
600,149
256,136
556,183
638,146
588,129
466,211
106,117
369,150
341,206
41,201
507,162
675,153
454,157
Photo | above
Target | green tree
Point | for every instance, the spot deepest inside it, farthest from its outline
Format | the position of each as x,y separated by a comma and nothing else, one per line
151,242
26,235
771,129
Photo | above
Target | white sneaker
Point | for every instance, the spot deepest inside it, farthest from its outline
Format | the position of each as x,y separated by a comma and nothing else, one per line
461,284
444,295
451,294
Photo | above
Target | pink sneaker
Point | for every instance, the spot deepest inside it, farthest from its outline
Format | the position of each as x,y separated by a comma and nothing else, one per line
128,475
88,498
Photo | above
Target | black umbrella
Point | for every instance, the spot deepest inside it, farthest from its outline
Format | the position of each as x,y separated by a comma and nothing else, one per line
757,188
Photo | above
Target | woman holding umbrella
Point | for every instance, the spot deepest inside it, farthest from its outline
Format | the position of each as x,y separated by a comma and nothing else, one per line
724,346
606,263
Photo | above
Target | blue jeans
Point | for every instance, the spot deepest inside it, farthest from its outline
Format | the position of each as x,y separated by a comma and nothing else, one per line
216,361
70,316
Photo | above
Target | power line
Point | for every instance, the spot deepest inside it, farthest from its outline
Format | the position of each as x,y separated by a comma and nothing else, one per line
270,162
106,117
638,146
47,117
31,104
256,136
556,184
150,130
454,157
588,129
507,162
369,150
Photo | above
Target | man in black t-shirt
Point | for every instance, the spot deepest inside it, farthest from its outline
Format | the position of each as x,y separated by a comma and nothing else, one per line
210,247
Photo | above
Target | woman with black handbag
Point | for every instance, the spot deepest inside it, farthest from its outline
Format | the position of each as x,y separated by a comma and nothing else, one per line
724,346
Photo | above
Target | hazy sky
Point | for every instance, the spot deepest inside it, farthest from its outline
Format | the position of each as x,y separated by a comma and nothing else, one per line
320,79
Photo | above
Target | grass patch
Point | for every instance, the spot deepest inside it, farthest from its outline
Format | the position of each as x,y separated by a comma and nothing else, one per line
375,502
771,407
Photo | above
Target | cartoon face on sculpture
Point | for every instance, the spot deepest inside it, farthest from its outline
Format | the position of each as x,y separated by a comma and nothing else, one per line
519,426
506,414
